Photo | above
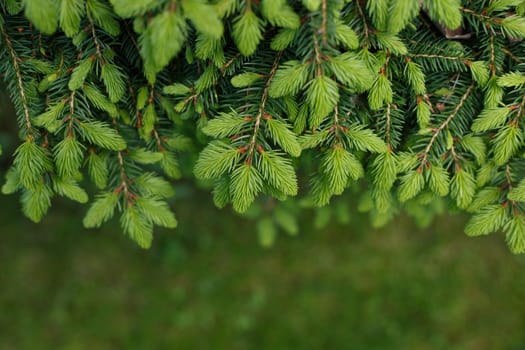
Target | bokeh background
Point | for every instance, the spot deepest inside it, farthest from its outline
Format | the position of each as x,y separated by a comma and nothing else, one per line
210,285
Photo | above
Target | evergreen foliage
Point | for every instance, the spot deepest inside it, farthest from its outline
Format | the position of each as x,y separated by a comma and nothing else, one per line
420,103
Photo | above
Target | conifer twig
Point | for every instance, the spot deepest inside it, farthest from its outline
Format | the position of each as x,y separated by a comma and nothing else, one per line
388,125
95,40
492,64
71,112
365,24
451,58
323,23
262,106
443,125
19,80
124,178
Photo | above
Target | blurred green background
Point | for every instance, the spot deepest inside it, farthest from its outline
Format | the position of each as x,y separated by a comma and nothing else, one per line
210,285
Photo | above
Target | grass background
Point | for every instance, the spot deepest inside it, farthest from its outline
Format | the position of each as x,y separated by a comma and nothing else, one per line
209,285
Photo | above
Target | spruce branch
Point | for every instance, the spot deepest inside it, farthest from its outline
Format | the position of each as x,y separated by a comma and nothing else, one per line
365,24
520,111
443,126
508,179
98,45
124,180
261,110
19,80
118,90
158,140
492,60
71,112
388,125
478,15
324,15
443,57
336,127
230,62
317,56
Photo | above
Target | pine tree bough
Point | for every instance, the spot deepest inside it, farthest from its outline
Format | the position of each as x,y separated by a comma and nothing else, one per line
275,105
